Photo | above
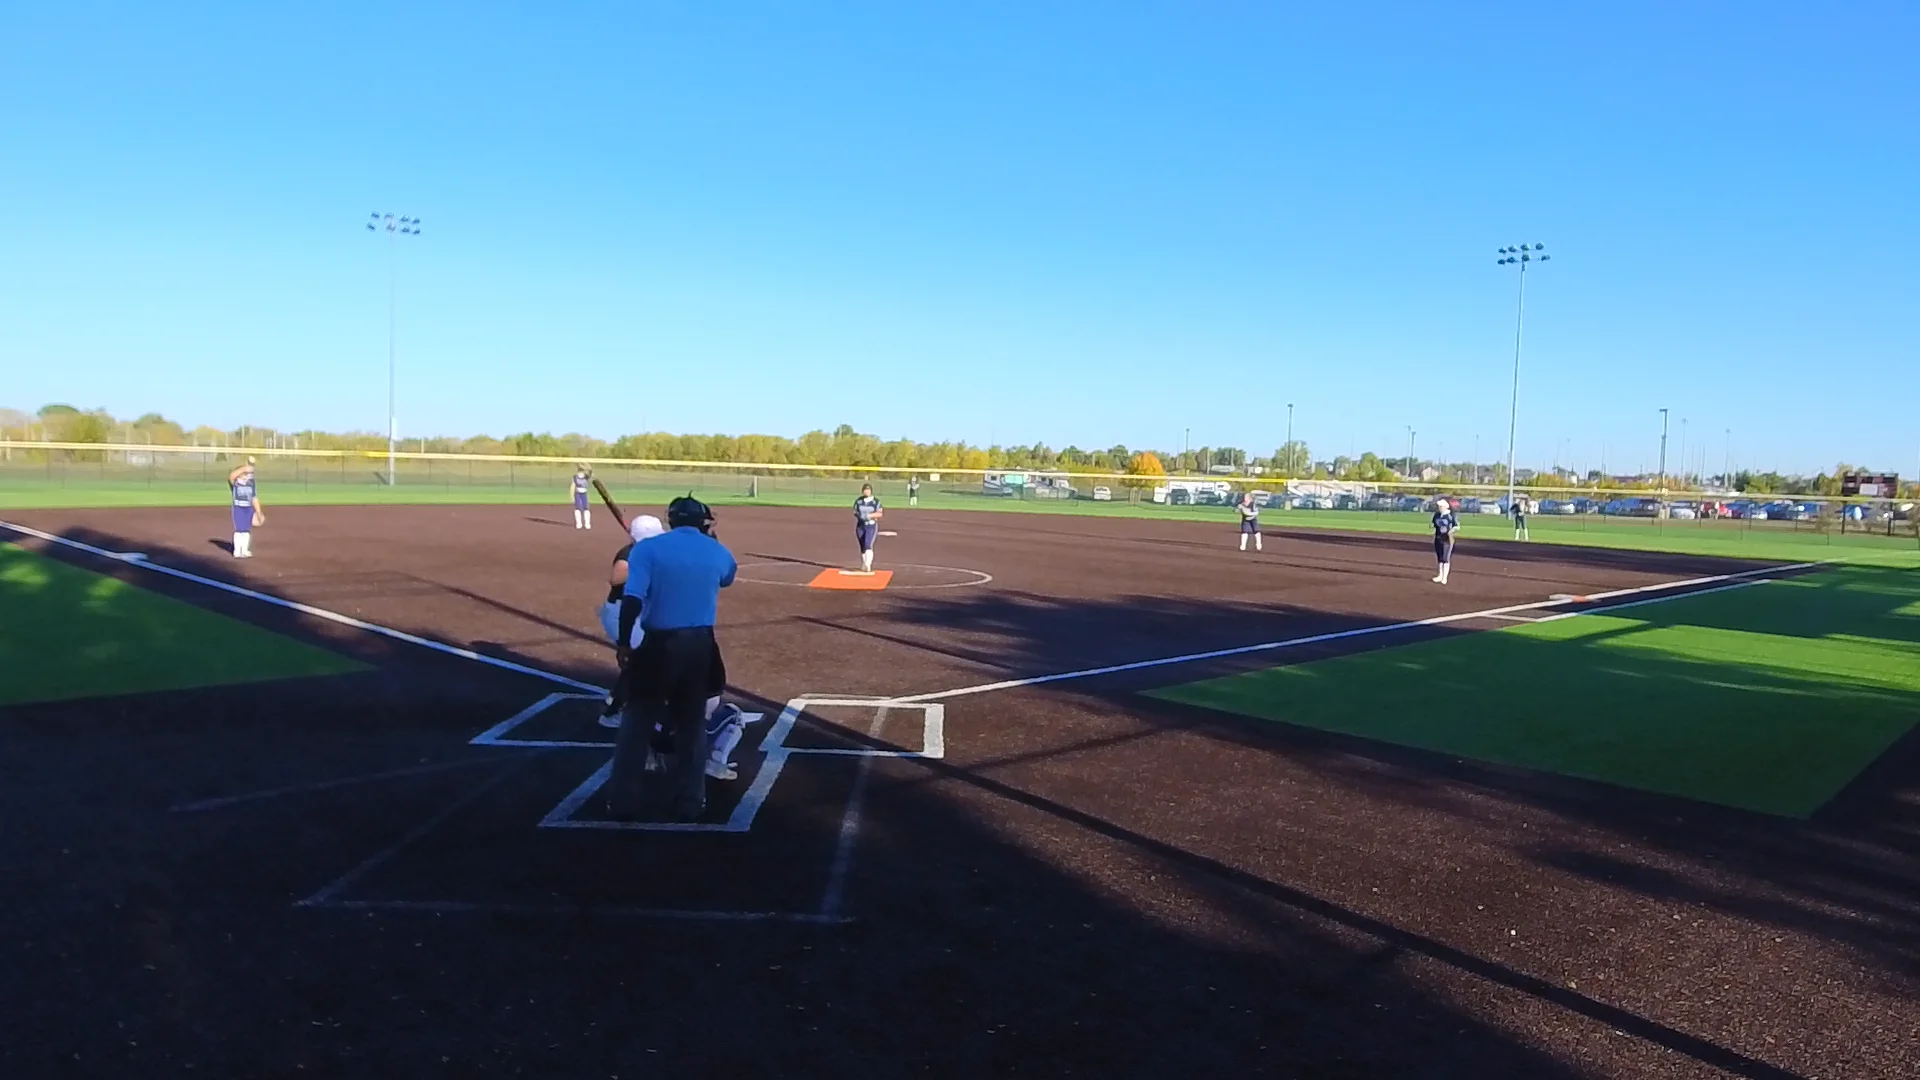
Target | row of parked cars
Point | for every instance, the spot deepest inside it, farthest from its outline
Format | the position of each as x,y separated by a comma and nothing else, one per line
1633,506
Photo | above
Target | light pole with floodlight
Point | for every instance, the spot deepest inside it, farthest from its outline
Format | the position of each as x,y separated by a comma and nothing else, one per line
394,226
1522,256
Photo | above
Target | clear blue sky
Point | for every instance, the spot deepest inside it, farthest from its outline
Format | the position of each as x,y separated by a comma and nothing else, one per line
1077,223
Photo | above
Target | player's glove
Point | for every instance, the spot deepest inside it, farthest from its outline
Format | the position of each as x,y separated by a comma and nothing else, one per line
259,519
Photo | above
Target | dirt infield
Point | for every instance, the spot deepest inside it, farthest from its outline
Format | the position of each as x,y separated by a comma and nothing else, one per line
329,877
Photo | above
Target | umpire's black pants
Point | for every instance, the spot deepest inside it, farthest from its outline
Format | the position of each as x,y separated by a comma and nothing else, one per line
669,679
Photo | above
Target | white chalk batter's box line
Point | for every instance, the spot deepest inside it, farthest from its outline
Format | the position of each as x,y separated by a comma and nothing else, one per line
774,746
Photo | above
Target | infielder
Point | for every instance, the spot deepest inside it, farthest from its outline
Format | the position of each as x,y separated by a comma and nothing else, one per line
913,491
582,513
247,509
1444,523
866,525
1519,509
1249,520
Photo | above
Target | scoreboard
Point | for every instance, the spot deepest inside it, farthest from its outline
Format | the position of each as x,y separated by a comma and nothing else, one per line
1870,485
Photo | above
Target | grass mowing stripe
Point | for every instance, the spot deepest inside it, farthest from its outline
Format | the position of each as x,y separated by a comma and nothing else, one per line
70,633
1770,698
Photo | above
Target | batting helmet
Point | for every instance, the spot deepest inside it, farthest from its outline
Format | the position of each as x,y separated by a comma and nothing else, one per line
688,510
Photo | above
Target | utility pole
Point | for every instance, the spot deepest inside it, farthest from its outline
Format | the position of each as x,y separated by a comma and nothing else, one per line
1663,451
1410,434
394,227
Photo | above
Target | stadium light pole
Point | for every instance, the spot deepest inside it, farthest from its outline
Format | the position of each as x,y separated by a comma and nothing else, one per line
1521,256
1726,466
1663,451
1410,434
395,226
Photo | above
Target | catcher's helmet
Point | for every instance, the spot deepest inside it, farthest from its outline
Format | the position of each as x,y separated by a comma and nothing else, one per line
688,510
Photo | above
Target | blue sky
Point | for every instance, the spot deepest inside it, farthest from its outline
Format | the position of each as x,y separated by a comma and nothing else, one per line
1072,223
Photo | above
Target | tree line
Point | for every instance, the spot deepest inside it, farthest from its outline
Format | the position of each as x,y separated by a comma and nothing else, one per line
846,447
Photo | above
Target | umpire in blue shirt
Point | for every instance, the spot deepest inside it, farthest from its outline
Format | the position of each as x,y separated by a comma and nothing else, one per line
673,589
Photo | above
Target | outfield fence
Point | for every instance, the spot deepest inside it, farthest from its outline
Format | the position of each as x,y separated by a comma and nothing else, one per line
197,474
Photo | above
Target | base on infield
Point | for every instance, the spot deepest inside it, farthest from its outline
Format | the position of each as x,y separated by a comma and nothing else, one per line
852,580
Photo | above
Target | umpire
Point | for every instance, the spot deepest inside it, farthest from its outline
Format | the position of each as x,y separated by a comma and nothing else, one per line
673,589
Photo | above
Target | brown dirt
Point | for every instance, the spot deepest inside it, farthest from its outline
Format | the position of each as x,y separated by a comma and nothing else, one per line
1091,883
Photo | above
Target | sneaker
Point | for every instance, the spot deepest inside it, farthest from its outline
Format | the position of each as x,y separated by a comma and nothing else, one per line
1437,580
655,762
609,719
720,770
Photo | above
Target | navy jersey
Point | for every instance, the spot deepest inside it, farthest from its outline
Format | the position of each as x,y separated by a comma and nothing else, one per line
1249,510
864,508
1519,508
1443,524
243,492
579,483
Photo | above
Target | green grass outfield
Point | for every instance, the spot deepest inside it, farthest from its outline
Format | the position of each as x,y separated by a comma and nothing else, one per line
68,633
78,487
1769,698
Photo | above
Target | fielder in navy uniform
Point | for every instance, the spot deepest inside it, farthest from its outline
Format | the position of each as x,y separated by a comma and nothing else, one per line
582,513
1249,520
1444,523
247,509
675,677
913,491
1519,509
866,525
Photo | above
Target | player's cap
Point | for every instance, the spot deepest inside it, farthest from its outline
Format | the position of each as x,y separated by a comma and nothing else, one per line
1441,504
644,526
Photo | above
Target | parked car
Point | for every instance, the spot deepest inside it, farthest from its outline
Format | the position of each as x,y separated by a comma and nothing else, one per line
1263,498
1103,494
1180,497
1346,502
1587,506
1314,502
1557,506
1411,504
1379,500
1683,512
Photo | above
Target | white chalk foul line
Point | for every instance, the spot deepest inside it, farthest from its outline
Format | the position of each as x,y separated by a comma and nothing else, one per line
1366,631
140,560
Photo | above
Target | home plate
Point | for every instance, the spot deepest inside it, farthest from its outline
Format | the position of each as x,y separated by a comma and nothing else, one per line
852,580
1568,597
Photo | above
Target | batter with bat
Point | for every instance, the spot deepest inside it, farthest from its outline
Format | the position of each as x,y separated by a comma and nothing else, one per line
247,508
